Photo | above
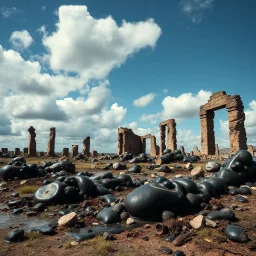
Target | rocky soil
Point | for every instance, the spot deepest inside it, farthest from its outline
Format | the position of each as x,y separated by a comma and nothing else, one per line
193,234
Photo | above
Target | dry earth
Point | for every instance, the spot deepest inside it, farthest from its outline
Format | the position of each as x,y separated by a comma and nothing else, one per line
138,241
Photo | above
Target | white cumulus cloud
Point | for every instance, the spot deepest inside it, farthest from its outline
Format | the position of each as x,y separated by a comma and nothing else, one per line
182,107
21,39
144,100
93,47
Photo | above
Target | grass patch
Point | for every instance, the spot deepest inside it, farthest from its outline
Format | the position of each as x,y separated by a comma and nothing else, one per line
204,233
31,238
44,216
33,235
27,189
67,244
100,247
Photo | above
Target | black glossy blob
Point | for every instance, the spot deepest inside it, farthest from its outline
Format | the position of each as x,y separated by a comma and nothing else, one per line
236,234
126,180
235,171
149,201
108,216
16,235
51,194
135,169
223,214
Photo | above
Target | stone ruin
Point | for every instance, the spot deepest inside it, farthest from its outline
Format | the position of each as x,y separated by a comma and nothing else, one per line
25,151
182,150
135,144
74,150
154,148
196,152
86,146
65,152
236,118
251,149
217,150
32,141
130,142
94,153
4,150
170,124
17,151
51,142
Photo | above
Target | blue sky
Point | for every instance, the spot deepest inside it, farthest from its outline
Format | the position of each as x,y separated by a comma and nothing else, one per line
188,47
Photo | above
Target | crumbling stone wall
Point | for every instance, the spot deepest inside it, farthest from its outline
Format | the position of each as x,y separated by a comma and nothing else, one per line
74,150
32,141
86,146
236,118
129,142
171,135
153,145
51,142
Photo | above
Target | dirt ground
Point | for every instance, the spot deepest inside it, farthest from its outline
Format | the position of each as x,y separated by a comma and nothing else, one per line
142,240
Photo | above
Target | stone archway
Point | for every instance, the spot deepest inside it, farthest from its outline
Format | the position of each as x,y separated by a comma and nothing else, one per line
154,148
236,118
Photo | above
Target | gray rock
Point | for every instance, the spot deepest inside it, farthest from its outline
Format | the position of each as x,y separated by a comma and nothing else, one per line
212,166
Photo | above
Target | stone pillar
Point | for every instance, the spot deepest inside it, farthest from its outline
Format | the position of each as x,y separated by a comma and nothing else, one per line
17,151
94,153
153,150
162,139
207,132
86,146
236,118
182,149
74,150
32,141
217,151
25,151
171,135
65,152
51,142
192,153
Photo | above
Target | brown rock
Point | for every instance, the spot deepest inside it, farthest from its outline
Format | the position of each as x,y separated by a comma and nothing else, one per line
197,172
197,222
130,221
210,223
68,220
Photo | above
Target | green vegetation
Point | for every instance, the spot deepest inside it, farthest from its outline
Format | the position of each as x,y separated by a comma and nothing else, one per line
28,189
